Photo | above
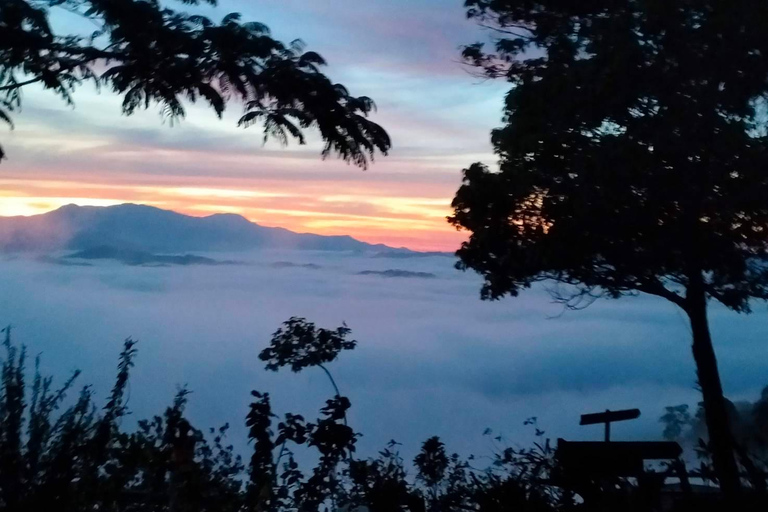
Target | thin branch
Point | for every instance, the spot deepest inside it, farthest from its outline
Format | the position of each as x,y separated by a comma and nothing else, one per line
333,382
96,55
280,456
508,32
18,85
581,298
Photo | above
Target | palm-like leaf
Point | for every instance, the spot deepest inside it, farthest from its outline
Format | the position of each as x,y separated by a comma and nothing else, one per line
155,55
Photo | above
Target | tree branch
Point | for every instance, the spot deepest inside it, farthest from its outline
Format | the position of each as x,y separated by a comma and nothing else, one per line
507,31
333,382
656,288
18,85
88,56
338,394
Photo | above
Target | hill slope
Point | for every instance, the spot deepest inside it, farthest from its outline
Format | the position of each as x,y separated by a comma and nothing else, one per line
146,228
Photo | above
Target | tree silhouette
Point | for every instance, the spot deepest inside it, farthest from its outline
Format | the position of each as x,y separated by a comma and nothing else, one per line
151,54
633,160
299,344
432,464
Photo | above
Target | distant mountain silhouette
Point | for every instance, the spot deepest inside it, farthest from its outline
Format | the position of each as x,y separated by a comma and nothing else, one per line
397,273
133,227
133,257
412,254
289,264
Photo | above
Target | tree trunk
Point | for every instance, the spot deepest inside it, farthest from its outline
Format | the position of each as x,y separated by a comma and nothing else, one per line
715,409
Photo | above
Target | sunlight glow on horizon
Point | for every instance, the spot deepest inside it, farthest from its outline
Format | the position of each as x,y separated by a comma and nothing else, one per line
414,222
438,116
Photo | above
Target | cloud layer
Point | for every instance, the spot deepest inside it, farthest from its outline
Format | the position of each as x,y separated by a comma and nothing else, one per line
403,54
432,358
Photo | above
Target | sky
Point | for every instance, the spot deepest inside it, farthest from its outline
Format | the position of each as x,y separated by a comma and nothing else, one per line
402,53
432,359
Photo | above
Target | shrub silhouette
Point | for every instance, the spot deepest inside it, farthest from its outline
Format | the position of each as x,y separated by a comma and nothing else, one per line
78,457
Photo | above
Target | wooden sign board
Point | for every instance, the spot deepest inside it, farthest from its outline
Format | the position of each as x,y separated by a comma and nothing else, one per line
609,416
596,459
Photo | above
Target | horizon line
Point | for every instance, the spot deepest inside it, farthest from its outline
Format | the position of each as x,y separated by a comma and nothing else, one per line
193,215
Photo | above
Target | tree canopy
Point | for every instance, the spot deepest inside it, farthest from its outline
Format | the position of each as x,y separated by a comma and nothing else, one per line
634,155
151,54
634,149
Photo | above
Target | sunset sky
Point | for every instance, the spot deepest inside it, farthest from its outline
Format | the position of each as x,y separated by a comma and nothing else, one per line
402,53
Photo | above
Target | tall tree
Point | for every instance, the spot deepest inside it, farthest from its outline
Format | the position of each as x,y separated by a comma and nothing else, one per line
634,159
151,54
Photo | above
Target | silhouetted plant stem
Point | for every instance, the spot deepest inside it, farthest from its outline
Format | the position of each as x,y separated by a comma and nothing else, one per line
330,377
280,456
335,387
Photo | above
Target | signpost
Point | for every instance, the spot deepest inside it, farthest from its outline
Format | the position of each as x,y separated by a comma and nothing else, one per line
612,459
609,417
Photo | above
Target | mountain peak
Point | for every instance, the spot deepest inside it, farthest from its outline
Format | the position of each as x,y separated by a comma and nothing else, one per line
230,217
139,227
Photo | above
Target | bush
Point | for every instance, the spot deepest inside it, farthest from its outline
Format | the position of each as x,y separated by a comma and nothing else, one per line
78,458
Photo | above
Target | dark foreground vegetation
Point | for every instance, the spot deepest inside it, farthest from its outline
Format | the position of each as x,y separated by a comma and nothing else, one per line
68,453
631,160
151,54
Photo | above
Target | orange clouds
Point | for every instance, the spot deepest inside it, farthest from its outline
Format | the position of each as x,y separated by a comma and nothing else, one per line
380,212
438,116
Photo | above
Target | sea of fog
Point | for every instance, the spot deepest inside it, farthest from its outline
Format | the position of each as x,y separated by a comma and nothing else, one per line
432,359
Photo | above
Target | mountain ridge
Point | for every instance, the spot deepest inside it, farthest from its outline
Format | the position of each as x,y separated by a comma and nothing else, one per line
137,227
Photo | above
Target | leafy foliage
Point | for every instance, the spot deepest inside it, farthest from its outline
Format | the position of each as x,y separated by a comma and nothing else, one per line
299,344
633,159
749,421
432,462
675,419
151,54
79,457
634,150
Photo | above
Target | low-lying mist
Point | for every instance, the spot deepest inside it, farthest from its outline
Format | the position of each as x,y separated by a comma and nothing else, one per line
432,358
